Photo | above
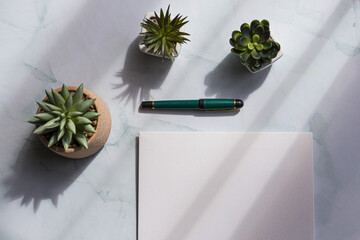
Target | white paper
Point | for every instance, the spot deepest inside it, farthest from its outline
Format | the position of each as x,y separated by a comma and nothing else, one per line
225,186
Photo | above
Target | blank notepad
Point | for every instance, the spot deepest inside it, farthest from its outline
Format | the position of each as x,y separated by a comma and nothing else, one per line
225,186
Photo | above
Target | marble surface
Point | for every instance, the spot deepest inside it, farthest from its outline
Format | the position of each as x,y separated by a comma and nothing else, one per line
44,43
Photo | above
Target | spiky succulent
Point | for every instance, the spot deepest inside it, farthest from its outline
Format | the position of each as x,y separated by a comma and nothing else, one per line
254,45
65,116
163,33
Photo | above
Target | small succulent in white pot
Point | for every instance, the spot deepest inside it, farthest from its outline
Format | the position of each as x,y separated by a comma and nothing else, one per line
255,45
163,35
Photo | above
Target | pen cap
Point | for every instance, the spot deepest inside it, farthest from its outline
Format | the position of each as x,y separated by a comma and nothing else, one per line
220,104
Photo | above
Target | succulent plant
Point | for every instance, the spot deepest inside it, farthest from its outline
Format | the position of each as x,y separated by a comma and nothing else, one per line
65,116
163,33
254,45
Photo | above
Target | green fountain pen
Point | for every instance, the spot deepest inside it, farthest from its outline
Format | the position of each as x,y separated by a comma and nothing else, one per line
217,104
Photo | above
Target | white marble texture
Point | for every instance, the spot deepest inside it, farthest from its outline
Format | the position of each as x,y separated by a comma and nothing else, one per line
44,43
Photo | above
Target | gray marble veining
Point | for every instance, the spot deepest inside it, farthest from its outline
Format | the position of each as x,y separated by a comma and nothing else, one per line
44,43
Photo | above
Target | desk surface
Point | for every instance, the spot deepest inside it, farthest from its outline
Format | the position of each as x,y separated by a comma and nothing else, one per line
313,87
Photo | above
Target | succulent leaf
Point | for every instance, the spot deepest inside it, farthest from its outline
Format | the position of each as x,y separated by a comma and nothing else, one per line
43,106
267,44
53,139
59,100
163,33
235,51
50,97
42,130
91,115
235,34
253,44
35,121
265,22
69,102
255,38
244,41
66,139
81,120
85,105
52,107
64,92
246,30
70,125
259,30
88,128
245,56
61,133
259,47
65,115
250,46
255,54
81,139
62,123
44,116
56,113
54,123
75,114
78,94
254,24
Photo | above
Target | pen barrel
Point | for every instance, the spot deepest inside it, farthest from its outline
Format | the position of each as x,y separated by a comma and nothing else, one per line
202,104
219,104
176,104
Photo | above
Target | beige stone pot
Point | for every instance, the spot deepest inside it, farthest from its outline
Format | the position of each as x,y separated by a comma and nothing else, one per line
97,140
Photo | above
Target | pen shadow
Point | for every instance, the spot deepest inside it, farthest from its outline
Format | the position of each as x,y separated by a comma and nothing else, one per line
193,112
141,74
230,79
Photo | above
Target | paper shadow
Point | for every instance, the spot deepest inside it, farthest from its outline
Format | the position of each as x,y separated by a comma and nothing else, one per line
230,79
137,184
39,174
141,74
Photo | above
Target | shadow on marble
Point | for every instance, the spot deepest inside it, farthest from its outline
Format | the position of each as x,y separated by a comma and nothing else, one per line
39,174
141,74
230,79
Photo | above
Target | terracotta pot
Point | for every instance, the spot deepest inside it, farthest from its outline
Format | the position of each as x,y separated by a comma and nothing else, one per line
97,140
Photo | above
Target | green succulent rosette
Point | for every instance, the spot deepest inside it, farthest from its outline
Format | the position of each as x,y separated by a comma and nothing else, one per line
65,116
254,45
163,33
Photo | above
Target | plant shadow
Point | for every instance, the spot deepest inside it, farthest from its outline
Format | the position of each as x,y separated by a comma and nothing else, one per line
39,174
141,74
232,80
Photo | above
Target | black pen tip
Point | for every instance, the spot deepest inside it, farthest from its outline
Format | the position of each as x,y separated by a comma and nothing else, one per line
146,104
238,103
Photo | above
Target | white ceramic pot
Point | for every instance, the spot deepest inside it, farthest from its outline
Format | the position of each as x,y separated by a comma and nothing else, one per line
142,47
